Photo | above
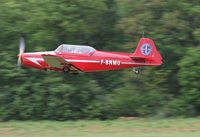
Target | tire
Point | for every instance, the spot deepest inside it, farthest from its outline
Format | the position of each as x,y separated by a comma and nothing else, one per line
66,70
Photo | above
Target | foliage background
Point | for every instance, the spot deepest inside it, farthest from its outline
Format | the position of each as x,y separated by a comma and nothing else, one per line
170,90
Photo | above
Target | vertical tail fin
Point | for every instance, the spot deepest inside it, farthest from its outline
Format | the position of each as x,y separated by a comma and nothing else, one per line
147,52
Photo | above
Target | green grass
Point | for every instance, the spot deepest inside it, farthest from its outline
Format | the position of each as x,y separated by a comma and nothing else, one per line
116,128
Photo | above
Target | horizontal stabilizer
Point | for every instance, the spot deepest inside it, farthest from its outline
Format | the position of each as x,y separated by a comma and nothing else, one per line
140,59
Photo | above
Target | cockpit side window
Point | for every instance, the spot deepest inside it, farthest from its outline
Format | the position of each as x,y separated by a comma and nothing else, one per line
89,50
68,49
80,50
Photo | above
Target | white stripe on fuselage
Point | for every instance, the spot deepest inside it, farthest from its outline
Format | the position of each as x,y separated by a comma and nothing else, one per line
35,60
88,61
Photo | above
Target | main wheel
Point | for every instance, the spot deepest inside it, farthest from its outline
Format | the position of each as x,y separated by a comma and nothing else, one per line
66,70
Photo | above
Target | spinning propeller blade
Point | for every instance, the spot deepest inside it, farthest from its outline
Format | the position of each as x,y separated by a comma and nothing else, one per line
21,51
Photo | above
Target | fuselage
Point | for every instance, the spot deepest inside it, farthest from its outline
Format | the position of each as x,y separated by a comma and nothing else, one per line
87,59
97,61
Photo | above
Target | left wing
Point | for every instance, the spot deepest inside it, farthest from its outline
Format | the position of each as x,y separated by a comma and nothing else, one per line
56,62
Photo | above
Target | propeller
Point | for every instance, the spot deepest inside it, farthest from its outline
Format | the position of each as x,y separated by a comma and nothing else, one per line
21,51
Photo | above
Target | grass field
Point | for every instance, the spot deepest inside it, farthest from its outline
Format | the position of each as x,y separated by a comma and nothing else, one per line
116,128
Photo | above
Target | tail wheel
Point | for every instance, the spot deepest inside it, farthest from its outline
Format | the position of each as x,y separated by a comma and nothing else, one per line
66,70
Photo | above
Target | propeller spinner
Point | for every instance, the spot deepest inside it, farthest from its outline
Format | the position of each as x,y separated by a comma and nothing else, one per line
21,51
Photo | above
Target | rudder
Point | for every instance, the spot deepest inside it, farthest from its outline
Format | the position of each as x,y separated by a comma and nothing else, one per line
147,51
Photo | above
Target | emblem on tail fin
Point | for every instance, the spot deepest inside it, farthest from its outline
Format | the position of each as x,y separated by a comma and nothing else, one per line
146,49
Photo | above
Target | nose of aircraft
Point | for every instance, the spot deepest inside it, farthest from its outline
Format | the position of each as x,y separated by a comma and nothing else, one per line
33,60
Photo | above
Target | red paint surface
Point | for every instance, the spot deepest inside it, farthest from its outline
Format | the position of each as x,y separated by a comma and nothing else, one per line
98,60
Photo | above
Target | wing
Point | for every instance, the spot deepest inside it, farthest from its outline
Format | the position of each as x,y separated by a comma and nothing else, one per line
56,62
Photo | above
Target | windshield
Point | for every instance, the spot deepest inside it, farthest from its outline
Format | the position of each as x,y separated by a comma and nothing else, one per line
59,49
75,49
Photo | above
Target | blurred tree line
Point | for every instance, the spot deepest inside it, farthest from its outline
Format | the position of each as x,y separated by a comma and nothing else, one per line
172,89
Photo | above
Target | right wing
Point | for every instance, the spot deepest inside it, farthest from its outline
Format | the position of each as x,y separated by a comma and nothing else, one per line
56,62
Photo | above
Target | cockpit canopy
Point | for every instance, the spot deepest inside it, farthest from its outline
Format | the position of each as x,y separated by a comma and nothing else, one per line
75,49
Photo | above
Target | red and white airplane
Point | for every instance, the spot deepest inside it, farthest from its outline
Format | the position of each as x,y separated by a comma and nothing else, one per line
75,58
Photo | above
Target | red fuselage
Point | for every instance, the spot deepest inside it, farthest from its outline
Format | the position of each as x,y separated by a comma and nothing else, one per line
97,61
89,60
